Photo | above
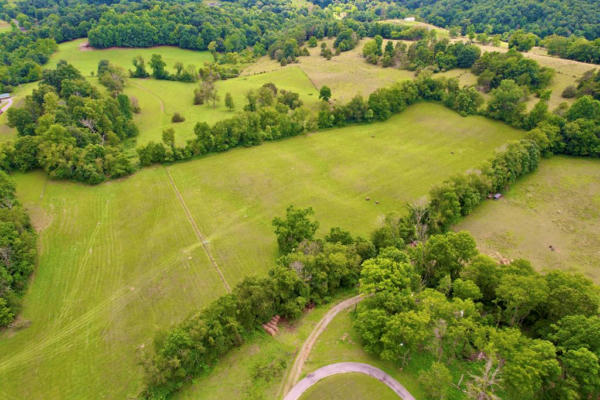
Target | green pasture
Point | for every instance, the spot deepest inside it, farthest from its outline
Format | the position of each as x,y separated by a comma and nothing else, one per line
159,100
86,59
121,260
558,206
352,386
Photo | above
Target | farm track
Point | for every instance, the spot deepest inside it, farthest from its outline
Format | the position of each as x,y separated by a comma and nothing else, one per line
199,235
296,370
344,368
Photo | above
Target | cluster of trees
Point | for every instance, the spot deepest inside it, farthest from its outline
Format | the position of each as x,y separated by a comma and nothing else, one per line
530,334
21,58
17,250
270,114
494,67
573,48
309,272
70,130
441,54
384,102
588,84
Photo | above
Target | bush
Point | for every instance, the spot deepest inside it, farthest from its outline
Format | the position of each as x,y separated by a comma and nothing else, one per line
569,92
177,118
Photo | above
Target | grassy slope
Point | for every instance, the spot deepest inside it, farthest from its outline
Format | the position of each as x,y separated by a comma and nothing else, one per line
558,205
18,95
349,387
115,260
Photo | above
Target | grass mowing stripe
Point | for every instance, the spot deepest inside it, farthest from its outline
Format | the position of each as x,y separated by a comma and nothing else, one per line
199,234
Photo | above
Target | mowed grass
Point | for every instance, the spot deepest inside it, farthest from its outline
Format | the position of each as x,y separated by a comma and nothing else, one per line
558,206
352,386
120,260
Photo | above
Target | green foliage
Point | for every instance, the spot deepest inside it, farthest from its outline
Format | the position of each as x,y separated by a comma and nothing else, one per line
17,250
522,41
78,132
325,93
295,228
436,381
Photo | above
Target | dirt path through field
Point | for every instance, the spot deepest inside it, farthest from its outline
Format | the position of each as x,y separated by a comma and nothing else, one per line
344,368
296,370
199,234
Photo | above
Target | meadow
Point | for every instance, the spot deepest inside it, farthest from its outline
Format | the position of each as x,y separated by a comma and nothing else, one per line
160,99
558,206
123,259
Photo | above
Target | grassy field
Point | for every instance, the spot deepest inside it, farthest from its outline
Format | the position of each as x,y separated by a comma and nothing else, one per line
116,263
159,100
341,343
559,206
347,74
86,59
351,386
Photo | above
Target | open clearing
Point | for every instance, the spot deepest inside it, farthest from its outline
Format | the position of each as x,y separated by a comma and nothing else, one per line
119,260
558,206
352,386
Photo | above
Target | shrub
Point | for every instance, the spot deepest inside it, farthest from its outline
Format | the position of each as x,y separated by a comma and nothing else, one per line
177,118
569,92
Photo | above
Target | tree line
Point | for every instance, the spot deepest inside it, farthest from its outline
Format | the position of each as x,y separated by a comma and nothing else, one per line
17,251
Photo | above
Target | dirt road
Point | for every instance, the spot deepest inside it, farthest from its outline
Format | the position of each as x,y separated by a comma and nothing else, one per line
343,368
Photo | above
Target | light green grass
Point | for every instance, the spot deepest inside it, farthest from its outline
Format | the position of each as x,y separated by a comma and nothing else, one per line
159,100
5,26
120,260
87,60
559,206
350,386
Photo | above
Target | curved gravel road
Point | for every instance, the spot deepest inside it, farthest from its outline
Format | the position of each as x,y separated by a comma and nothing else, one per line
296,370
343,368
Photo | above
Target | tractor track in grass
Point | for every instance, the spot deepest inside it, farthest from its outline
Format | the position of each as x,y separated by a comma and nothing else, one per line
294,374
197,231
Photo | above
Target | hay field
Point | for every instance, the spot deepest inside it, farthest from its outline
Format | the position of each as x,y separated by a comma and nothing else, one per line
558,206
121,260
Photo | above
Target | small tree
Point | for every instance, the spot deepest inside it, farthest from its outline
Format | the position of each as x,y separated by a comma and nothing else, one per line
436,381
158,67
177,118
295,228
325,93
229,101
